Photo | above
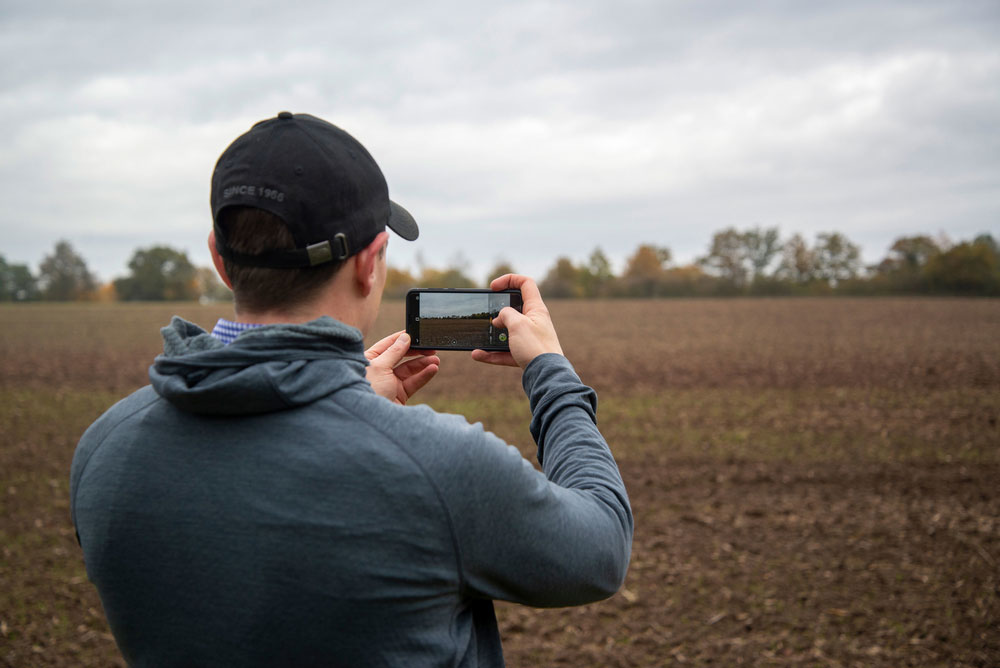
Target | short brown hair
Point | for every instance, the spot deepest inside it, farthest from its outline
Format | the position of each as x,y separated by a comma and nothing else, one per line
250,230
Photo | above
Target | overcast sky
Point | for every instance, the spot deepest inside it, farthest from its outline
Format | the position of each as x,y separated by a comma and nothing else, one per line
443,305
517,131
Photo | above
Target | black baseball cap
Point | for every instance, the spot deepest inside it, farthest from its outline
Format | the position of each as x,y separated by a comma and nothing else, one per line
316,178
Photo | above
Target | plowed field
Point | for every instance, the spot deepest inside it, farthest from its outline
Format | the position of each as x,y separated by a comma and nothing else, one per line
815,482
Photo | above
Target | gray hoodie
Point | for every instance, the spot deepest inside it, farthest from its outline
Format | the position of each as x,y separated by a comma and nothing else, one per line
260,505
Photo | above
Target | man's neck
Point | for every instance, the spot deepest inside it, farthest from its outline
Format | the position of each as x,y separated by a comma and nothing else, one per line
349,314
338,299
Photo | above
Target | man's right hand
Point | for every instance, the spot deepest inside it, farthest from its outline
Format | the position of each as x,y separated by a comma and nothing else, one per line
531,332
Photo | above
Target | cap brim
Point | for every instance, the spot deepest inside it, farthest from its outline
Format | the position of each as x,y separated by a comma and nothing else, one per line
402,223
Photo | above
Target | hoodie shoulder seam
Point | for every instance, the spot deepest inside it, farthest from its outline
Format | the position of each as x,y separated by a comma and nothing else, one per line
433,485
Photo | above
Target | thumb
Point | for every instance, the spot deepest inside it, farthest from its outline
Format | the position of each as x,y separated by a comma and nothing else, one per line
507,317
394,353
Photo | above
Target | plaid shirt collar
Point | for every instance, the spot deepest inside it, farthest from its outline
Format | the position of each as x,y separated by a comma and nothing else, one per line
227,330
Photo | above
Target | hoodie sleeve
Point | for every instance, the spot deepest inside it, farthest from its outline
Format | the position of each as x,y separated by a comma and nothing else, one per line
562,537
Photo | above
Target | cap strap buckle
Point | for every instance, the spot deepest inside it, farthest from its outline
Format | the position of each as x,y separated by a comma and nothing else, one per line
319,253
322,252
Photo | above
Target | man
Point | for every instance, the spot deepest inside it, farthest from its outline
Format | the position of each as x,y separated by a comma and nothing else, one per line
269,500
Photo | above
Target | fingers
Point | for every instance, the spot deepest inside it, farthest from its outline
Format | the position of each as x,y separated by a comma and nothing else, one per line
414,366
498,358
530,294
507,317
396,352
412,383
391,350
383,344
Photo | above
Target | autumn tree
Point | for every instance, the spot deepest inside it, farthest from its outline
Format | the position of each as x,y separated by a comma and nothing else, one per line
685,280
969,268
644,270
210,287
398,282
454,275
562,280
449,277
63,275
106,293
159,273
501,268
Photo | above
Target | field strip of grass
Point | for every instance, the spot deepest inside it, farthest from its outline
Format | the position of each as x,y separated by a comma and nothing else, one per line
815,424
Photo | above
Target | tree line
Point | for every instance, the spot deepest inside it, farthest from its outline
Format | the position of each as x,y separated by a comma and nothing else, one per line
753,261
158,273
756,261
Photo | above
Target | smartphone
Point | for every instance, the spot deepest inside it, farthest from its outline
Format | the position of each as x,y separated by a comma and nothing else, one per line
457,319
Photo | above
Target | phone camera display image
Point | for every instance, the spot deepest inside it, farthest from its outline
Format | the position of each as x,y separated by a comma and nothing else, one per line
458,319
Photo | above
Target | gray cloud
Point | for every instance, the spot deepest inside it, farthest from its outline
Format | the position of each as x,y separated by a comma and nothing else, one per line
520,130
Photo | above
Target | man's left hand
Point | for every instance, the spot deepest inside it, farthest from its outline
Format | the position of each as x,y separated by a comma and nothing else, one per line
395,372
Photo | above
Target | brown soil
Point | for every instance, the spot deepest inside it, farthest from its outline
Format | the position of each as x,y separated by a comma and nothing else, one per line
815,482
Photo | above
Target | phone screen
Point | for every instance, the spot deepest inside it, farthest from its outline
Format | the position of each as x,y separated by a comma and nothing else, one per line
456,319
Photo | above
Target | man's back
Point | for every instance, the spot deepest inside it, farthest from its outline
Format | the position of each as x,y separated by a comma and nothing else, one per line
262,506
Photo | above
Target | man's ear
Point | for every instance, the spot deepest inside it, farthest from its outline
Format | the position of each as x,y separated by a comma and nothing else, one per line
220,266
366,263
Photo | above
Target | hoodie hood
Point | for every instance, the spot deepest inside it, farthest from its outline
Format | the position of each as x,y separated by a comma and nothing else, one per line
268,368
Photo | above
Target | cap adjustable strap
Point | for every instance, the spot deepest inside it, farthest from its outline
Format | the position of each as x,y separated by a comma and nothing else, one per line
310,256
